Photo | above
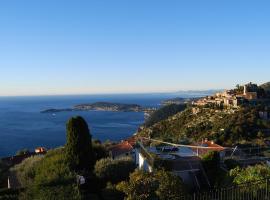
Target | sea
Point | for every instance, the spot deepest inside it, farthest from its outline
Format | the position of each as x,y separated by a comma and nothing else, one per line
23,126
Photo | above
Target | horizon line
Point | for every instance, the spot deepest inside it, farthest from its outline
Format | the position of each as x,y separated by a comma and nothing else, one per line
112,93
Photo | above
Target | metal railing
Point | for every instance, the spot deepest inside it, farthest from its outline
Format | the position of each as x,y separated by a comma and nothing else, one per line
259,190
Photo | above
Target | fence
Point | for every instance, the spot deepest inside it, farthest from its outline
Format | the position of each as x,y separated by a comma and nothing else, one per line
259,190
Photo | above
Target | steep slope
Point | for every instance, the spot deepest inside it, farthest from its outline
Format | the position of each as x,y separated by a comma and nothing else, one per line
226,127
164,113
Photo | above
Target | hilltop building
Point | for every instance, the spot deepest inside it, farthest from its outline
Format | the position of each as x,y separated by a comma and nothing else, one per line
231,98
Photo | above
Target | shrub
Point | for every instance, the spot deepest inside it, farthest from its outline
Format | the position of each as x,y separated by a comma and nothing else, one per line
99,151
114,171
157,185
25,171
250,174
50,178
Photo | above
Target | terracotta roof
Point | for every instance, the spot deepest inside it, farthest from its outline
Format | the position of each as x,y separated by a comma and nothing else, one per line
40,149
212,144
132,140
121,148
214,147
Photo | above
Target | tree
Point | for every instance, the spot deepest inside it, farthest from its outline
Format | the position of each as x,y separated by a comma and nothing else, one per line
78,148
157,185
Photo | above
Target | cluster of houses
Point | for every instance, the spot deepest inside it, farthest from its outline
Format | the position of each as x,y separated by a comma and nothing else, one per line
184,161
231,98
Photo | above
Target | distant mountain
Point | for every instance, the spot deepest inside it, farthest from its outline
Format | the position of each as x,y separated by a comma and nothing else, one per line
266,86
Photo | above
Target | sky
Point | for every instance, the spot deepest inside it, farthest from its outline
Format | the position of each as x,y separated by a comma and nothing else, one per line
131,46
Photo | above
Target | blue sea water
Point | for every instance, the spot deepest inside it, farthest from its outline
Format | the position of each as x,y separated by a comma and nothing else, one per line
23,126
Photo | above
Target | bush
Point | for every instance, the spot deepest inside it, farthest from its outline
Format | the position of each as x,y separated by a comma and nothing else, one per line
25,171
250,174
157,185
49,178
99,151
114,171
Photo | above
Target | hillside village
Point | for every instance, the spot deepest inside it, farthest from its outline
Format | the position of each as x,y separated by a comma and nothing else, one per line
248,94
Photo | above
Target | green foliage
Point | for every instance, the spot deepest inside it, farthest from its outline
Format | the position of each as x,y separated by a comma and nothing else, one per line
114,171
226,127
163,113
250,174
157,185
211,159
25,171
78,148
170,186
47,178
99,150
141,186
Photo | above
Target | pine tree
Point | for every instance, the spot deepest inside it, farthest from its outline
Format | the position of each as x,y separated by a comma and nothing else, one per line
78,148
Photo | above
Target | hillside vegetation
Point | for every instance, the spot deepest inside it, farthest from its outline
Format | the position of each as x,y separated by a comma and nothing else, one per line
225,126
163,113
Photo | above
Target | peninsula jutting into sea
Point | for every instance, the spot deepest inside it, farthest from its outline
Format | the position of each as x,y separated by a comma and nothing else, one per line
104,106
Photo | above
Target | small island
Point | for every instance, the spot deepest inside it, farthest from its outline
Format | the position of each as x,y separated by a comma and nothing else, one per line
103,106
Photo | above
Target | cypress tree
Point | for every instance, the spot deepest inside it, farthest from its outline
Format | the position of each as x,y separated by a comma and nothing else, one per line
78,148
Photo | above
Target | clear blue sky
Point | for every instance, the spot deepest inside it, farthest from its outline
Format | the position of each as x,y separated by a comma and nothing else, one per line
96,46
